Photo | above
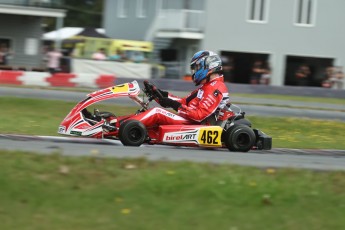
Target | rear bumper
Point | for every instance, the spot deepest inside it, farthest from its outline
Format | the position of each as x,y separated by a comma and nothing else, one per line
263,141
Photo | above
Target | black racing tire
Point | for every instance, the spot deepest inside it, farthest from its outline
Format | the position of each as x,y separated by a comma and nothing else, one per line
132,133
239,138
243,121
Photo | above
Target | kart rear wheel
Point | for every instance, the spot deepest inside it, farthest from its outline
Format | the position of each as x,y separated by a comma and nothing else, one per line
132,133
239,138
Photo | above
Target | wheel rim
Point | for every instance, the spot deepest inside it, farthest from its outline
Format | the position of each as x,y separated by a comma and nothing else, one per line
134,134
243,140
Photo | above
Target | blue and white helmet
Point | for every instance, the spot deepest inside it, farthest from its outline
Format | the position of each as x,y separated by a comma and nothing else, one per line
203,64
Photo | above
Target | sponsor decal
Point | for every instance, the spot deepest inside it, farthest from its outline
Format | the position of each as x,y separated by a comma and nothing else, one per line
210,98
166,113
209,136
181,136
200,93
120,88
213,83
77,133
62,129
207,103
216,92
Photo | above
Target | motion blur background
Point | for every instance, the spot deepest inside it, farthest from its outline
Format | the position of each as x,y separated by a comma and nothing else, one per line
270,42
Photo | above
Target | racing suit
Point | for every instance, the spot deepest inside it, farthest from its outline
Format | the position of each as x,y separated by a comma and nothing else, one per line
193,109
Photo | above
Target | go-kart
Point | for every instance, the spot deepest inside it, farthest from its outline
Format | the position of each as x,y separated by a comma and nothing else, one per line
224,129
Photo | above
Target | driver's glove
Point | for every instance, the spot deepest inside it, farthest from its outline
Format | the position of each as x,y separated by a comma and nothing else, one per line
169,103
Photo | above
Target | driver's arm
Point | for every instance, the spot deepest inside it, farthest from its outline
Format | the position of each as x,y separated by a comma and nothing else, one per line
205,106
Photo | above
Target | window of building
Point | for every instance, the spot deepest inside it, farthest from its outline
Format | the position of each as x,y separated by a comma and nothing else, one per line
305,12
121,9
258,11
142,8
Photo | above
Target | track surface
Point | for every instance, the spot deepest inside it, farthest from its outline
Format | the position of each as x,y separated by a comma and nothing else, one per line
294,158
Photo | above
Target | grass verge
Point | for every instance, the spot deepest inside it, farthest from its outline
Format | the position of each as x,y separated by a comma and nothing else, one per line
53,192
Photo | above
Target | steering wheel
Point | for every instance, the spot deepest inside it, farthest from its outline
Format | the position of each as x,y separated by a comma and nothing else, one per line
152,91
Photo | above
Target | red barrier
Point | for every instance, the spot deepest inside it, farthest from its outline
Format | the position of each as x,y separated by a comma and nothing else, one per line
105,81
61,79
10,77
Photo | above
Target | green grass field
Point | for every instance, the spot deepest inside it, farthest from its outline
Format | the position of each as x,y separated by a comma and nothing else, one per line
40,192
54,192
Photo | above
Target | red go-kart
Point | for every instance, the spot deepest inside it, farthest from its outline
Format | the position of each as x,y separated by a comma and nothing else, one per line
224,129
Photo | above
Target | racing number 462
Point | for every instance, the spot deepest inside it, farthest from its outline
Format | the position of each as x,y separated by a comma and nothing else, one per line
209,137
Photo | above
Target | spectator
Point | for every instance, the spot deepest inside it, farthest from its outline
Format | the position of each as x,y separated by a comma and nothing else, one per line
99,54
53,60
66,61
116,56
338,77
328,75
257,72
228,66
302,75
138,57
266,75
5,54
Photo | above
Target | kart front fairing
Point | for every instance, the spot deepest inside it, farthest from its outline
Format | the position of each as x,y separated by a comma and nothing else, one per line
77,124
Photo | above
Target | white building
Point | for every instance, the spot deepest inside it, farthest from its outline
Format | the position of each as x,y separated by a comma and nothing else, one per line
286,33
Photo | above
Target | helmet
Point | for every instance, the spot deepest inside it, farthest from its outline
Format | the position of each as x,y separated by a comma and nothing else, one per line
203,64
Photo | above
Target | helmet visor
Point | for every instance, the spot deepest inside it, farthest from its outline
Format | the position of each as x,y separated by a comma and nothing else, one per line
195,67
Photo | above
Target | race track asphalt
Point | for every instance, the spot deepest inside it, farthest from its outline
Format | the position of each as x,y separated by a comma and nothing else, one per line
70,146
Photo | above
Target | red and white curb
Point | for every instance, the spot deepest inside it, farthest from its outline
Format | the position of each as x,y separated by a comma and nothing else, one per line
56,80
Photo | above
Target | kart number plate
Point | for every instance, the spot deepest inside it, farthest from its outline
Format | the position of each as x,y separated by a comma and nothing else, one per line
210,136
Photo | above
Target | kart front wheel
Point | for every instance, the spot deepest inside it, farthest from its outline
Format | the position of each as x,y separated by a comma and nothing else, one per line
240,138
132,133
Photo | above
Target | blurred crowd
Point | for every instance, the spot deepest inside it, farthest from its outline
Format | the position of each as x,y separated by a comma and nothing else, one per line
5,54
333,77
258,71
134,56
60,61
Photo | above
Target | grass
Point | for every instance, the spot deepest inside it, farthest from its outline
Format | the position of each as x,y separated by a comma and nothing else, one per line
42,117
54,192
39,192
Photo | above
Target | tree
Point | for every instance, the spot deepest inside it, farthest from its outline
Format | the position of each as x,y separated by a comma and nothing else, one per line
80,13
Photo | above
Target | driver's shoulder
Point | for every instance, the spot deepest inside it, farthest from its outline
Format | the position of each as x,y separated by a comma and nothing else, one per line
216,84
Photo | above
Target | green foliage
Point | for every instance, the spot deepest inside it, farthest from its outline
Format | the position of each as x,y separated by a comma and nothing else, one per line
55,192
86,13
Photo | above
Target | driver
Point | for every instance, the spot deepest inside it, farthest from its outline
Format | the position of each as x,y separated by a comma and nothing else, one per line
212,94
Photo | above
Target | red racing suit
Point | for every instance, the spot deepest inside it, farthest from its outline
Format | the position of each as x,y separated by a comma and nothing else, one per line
195,107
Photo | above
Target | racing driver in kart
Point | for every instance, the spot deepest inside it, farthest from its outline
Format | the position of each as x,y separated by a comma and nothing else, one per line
212,94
